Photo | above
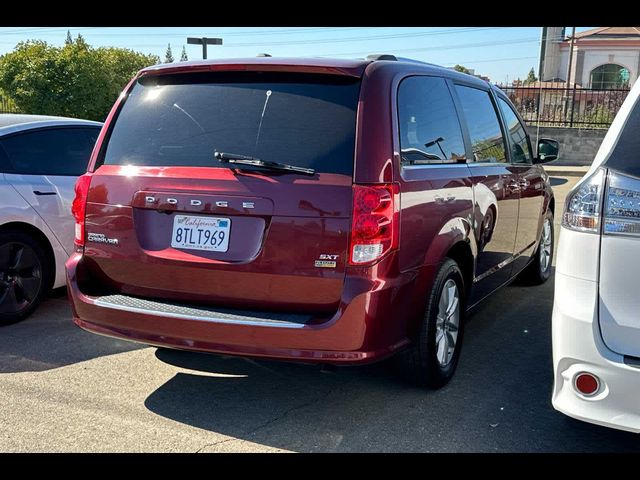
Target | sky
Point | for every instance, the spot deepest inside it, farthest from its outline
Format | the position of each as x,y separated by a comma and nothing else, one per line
501,53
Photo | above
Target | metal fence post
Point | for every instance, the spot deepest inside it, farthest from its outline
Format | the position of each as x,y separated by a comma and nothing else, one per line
573,104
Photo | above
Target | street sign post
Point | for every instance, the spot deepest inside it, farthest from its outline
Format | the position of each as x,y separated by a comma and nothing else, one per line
204,41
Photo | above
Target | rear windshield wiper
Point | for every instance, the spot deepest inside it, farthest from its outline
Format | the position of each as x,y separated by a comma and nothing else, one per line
224,157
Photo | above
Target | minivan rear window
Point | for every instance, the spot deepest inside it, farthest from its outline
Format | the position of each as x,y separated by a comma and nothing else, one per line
306,120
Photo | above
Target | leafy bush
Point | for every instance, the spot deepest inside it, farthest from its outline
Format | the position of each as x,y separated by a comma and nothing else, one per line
7,105
74,80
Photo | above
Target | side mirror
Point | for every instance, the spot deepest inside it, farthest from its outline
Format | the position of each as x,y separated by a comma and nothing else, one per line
548,150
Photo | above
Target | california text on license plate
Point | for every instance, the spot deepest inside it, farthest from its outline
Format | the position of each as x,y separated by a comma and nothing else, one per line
201,233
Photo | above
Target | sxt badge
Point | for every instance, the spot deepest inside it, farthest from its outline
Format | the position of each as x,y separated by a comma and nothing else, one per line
326,261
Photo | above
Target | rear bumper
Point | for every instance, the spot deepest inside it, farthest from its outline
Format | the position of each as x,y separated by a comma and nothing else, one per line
368,326
578,347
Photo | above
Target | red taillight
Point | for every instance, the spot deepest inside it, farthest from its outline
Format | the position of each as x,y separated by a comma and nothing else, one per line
583,206
587,384
374,230
79,206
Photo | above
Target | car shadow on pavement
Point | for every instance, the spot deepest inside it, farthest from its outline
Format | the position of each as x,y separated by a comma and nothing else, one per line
49,339
284,405
499,400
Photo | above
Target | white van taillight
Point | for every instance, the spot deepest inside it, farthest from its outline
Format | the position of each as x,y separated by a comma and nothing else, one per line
79,207
374,230
622,205
582,206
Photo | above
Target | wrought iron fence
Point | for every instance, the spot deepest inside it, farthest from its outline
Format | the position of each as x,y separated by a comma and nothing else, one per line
566,107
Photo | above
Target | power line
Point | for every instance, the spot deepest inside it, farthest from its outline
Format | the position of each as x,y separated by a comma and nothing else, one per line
365,38
387,37
336,40
469,62
301,30
458,46
42,30
449,47
245,33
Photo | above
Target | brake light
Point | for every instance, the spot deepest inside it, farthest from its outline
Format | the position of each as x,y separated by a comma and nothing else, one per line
622,205
374,230
582,207
79,207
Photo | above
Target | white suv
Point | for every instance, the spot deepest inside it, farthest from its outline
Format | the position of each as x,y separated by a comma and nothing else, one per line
40,160
596,312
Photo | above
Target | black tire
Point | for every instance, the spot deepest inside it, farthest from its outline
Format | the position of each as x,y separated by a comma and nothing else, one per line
26,275
536,273
420,363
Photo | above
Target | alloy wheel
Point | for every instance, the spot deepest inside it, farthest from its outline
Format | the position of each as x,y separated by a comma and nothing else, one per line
545,246
20,277
447,322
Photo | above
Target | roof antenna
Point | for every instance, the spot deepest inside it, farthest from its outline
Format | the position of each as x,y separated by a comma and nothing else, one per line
263,55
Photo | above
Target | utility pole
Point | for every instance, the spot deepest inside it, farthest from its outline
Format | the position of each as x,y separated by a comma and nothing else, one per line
543,50
204,41
573,40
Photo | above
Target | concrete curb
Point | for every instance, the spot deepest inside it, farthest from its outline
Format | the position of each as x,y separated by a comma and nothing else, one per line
568,170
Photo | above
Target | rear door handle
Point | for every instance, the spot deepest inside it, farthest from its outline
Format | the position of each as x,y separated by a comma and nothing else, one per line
513,186
448,199
39,193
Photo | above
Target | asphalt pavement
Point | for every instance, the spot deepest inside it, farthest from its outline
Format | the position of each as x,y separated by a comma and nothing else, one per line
63,389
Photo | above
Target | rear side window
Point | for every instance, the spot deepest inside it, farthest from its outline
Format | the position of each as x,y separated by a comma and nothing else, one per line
624,154
5,166
54,151
182,119
520,150
484,127
429,126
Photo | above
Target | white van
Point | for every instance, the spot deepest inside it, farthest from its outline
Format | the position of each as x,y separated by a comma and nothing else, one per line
596,312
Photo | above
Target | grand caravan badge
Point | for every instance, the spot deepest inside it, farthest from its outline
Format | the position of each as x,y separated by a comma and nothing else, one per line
101,238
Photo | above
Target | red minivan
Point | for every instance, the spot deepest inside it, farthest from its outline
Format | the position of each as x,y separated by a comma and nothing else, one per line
316,210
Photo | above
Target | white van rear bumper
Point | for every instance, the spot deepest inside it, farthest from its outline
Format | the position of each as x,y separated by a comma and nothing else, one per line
578,347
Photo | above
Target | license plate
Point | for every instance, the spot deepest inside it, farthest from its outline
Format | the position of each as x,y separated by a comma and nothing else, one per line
201,233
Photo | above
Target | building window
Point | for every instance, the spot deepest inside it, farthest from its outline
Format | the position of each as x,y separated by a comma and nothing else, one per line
609,76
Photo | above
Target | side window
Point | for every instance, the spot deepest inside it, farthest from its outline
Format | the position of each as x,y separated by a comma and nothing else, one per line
429,126
520,150
5,166
56,151
484,128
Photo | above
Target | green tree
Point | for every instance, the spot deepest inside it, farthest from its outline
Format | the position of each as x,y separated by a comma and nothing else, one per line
119,66
531,77
460,68
168,56
7,105
75,80
183,55
68,40
81,41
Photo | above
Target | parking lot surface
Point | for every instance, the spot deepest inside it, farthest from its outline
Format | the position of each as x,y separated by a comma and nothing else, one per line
63,389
